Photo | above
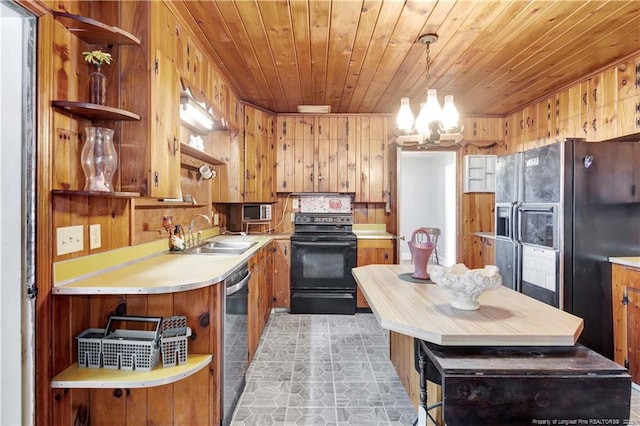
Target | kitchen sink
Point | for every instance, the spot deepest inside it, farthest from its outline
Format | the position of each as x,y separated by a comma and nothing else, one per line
222,247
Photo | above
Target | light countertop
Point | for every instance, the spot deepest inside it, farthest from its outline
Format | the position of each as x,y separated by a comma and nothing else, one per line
505,317
161,273
626,261
373,231
489,235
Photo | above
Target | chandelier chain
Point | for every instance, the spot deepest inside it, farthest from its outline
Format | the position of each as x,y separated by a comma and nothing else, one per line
428,76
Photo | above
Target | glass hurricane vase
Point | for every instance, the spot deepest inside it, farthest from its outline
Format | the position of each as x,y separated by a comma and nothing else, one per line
99,159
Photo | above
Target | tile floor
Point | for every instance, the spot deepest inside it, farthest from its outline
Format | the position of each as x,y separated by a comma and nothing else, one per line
328,370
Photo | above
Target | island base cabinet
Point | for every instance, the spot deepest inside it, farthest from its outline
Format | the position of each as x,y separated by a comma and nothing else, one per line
626,318
529,385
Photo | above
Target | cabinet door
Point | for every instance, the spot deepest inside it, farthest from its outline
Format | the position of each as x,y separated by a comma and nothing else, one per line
304,154
254,317
285,153
371,157
281,273
252,153
165,145
514,129
628,97
325,157
371,252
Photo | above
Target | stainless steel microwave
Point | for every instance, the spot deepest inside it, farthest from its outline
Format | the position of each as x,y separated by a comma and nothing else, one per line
256,212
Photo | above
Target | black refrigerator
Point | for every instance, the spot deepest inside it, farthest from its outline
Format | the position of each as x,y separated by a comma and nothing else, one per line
578,205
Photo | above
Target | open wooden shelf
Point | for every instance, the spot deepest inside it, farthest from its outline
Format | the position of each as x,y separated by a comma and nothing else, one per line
194,157
95,193
94,32
94,111
77,377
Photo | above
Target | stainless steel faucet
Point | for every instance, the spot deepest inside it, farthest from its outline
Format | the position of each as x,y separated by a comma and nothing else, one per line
193,219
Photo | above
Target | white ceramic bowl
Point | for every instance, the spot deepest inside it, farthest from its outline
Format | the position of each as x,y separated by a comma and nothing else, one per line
466,285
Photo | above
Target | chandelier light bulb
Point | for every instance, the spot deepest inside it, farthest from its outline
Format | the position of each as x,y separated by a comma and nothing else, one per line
422,125
450,116
404,120
432,109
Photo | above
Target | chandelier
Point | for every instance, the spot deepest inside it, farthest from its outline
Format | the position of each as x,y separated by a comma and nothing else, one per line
434,123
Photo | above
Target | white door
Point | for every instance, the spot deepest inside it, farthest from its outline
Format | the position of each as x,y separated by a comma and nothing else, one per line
17,233
427,198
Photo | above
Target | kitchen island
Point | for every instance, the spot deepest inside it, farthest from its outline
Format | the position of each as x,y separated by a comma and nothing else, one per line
513,345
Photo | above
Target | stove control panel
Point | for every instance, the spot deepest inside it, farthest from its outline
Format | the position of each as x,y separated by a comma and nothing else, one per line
323,219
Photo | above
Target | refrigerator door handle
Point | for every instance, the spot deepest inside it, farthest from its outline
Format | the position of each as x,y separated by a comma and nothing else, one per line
515,222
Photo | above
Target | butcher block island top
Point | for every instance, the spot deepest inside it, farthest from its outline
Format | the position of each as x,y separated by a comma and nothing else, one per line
423,311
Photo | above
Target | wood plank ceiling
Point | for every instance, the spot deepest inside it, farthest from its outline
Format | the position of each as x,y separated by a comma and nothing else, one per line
363,56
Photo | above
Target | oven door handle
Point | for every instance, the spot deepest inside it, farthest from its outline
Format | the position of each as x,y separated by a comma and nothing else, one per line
232,289
323,244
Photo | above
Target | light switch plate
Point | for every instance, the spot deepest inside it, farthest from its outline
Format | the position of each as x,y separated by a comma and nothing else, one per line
69,239
94,236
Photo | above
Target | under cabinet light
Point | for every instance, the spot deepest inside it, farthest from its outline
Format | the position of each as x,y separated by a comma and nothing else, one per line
195,115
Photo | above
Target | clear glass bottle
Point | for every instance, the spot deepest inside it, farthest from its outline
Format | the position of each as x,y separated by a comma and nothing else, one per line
97,88
99,159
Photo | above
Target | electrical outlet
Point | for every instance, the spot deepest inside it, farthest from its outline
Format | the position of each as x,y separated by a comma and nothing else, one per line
293,217
94,236
69,239
294,204
216,219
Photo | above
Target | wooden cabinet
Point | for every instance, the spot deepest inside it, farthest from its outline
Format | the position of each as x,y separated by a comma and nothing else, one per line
260,297
628,97
626,318
281,274
259,156
164,150
150,149
370,252
482,129
513,132
333,153
228,185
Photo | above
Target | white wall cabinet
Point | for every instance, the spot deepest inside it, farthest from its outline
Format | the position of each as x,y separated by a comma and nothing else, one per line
479,173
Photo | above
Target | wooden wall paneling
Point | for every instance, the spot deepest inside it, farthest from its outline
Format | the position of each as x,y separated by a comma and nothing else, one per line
136,401
191,404
60,354
107,406
45,398
251,116
160,399
322,177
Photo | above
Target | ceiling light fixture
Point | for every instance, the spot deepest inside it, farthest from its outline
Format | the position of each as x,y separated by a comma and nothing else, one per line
434,123
314,109
195,115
